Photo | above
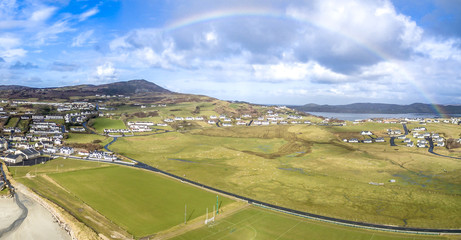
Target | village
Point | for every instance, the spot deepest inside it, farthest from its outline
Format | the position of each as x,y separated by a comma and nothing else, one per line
28,137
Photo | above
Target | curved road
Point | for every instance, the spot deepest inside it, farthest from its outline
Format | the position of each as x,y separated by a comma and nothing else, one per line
431,149
297,212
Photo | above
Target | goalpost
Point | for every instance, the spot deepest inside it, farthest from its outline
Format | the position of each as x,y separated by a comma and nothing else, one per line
215,211
210,219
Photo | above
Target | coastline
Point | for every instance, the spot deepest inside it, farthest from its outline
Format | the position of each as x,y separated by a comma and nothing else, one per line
44,217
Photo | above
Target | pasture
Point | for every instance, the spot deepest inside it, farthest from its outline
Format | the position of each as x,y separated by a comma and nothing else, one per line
258,223
308,168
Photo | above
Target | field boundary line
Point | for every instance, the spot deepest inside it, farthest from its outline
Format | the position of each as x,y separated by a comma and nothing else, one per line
288,230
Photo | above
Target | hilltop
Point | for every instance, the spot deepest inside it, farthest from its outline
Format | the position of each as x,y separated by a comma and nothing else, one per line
127,88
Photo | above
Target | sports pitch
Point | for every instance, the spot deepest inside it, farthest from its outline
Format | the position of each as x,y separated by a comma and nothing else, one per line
257,223
141,202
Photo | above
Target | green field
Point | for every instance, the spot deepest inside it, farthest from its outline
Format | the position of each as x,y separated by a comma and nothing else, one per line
12,122
257,223
99,124
308,168
83,138
140,202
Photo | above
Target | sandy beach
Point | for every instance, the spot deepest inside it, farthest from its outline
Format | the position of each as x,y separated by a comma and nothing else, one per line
39,223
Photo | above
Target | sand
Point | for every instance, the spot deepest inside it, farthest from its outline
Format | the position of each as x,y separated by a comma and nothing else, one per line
39,223
9,211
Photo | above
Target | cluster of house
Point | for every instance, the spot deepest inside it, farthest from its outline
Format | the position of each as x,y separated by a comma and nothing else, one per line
78,117
44,128
170,120
368,140
113,130
23,148
111,96
140,126
271,118
393,132
84,106
61,107
421,121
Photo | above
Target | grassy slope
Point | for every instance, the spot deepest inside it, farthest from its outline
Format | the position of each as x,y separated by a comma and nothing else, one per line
257,223
139,201
314,171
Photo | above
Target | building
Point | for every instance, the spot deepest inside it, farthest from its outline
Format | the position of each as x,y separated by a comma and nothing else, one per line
29,153
13,158
379,140
66,150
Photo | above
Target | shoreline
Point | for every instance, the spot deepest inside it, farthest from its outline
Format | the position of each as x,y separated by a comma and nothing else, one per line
72,228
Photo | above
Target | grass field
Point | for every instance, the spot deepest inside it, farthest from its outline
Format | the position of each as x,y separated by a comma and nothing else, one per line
99,124
258,223
83,138
310,169
23,124
12,122
140,202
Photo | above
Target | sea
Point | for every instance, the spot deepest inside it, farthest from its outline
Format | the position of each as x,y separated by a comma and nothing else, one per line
363,116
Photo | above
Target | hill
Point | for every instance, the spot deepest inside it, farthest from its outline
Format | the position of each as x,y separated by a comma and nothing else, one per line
128,88
381,108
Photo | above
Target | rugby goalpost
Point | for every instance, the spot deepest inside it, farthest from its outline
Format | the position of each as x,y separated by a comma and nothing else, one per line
215,212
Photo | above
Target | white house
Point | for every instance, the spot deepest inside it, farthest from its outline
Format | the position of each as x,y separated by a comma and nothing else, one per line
66,150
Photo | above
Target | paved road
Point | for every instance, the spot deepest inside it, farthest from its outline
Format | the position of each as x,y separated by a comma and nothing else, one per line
431,149
300,213
392,140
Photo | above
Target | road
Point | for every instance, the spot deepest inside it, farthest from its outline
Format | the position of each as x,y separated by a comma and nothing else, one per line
431,149
392,140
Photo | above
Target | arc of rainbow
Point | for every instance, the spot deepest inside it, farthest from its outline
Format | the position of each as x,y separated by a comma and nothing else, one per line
271,13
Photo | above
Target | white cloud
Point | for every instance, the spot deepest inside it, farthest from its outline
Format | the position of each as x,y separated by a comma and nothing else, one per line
51,32
107,69
82,39
440,50
85,15
42,14
105,73
310,71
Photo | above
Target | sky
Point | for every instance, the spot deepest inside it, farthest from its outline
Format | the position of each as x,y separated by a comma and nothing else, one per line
260,51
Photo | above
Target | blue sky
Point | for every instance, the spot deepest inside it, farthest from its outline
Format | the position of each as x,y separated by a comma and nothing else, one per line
261,51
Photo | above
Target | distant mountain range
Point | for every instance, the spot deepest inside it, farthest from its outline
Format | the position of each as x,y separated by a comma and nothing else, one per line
127,88
381,108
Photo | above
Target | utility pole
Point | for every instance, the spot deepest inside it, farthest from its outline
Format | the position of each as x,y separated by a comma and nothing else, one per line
217,204
185,213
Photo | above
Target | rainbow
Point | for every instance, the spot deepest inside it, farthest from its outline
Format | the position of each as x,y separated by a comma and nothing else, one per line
271,13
